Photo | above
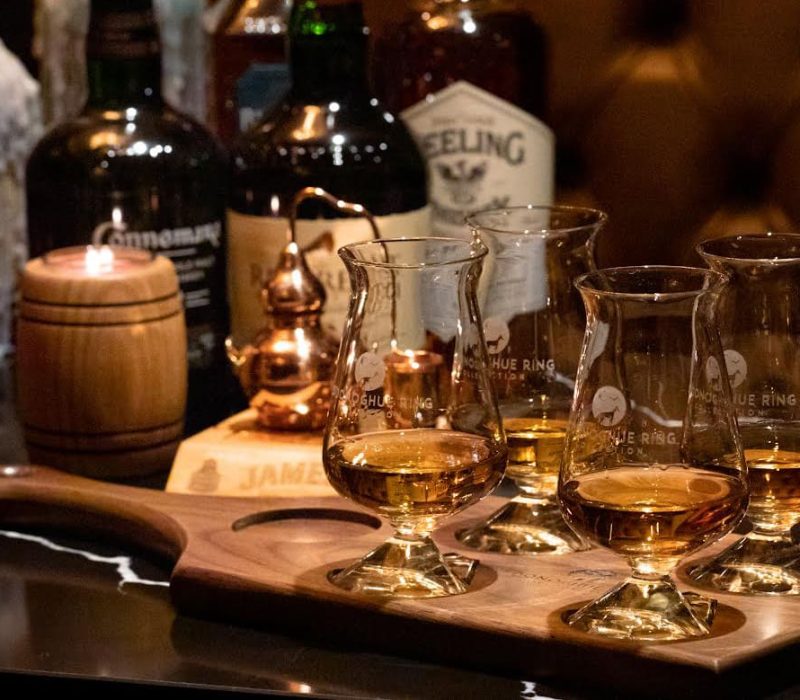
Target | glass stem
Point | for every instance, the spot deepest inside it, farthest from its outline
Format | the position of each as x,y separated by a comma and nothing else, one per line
534,498
414,531
649,570
770,531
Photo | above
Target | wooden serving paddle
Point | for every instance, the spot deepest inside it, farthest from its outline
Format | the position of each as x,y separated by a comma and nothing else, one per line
263,563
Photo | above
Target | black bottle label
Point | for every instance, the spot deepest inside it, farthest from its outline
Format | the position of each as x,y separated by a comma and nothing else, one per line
196,251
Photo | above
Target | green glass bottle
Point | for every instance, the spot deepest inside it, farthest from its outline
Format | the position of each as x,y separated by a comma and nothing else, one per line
329,132
130,158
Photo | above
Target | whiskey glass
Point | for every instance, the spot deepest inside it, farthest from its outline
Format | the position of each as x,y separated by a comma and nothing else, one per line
533,321
760,330
413,434
653,467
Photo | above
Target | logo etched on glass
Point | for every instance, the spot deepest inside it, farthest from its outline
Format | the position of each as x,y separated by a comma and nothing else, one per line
370,371
736,366
497,335
609,406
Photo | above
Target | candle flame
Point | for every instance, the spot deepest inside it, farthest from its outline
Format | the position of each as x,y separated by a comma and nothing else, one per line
98,260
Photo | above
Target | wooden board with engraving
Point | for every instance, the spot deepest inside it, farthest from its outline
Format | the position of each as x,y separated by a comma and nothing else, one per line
239,458
263,563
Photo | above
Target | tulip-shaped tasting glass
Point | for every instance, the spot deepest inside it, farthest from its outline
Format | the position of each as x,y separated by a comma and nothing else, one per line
653,467
413,434
759,320
533,321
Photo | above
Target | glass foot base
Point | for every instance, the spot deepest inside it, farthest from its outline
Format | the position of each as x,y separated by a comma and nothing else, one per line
646,611
407,569
523,526
756,564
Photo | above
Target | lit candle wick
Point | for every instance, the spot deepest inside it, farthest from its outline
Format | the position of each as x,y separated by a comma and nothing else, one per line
98,260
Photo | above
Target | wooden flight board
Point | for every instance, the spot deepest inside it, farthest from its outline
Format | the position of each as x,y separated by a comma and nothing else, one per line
263,563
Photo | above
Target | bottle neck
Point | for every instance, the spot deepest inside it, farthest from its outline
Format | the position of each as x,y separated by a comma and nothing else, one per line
435,6
123,55
114,82
328,50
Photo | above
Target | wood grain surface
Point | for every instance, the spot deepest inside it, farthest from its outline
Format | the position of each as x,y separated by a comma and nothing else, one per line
101,368
263,563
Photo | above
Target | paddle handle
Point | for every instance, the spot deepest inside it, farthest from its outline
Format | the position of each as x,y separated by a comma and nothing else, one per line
33,496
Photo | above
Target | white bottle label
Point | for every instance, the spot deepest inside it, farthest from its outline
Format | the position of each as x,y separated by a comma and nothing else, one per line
515,278
254,243
482,153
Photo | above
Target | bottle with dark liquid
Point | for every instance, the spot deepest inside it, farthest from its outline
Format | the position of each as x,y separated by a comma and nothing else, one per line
468,77
329,132
130,159
249,74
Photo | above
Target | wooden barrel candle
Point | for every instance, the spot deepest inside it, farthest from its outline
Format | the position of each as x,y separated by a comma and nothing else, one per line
101,361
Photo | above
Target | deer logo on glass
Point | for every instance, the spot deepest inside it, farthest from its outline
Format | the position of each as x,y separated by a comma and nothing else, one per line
609,406
735,365
497,335
370,371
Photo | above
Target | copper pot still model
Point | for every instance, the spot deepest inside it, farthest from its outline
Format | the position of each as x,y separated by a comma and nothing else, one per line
286,372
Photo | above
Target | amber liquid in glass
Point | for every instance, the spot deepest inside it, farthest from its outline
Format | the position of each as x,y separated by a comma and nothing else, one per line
654,512
774,479
534,452
414,474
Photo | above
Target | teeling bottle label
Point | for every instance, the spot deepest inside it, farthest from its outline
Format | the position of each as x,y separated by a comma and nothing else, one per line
482,153
254,243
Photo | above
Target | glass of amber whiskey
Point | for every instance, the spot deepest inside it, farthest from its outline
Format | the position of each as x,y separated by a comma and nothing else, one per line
533,321
759,322
653,466
413,434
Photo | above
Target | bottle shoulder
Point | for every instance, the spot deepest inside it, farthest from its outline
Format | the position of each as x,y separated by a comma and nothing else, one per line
338,134
501,31
501,49
358,152
162,137
464,18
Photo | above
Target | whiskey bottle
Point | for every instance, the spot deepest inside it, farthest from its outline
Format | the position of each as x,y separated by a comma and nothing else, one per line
329,132
248,71
468,77
130,159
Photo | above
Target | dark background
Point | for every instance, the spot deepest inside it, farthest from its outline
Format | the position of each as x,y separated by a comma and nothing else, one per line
681,118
